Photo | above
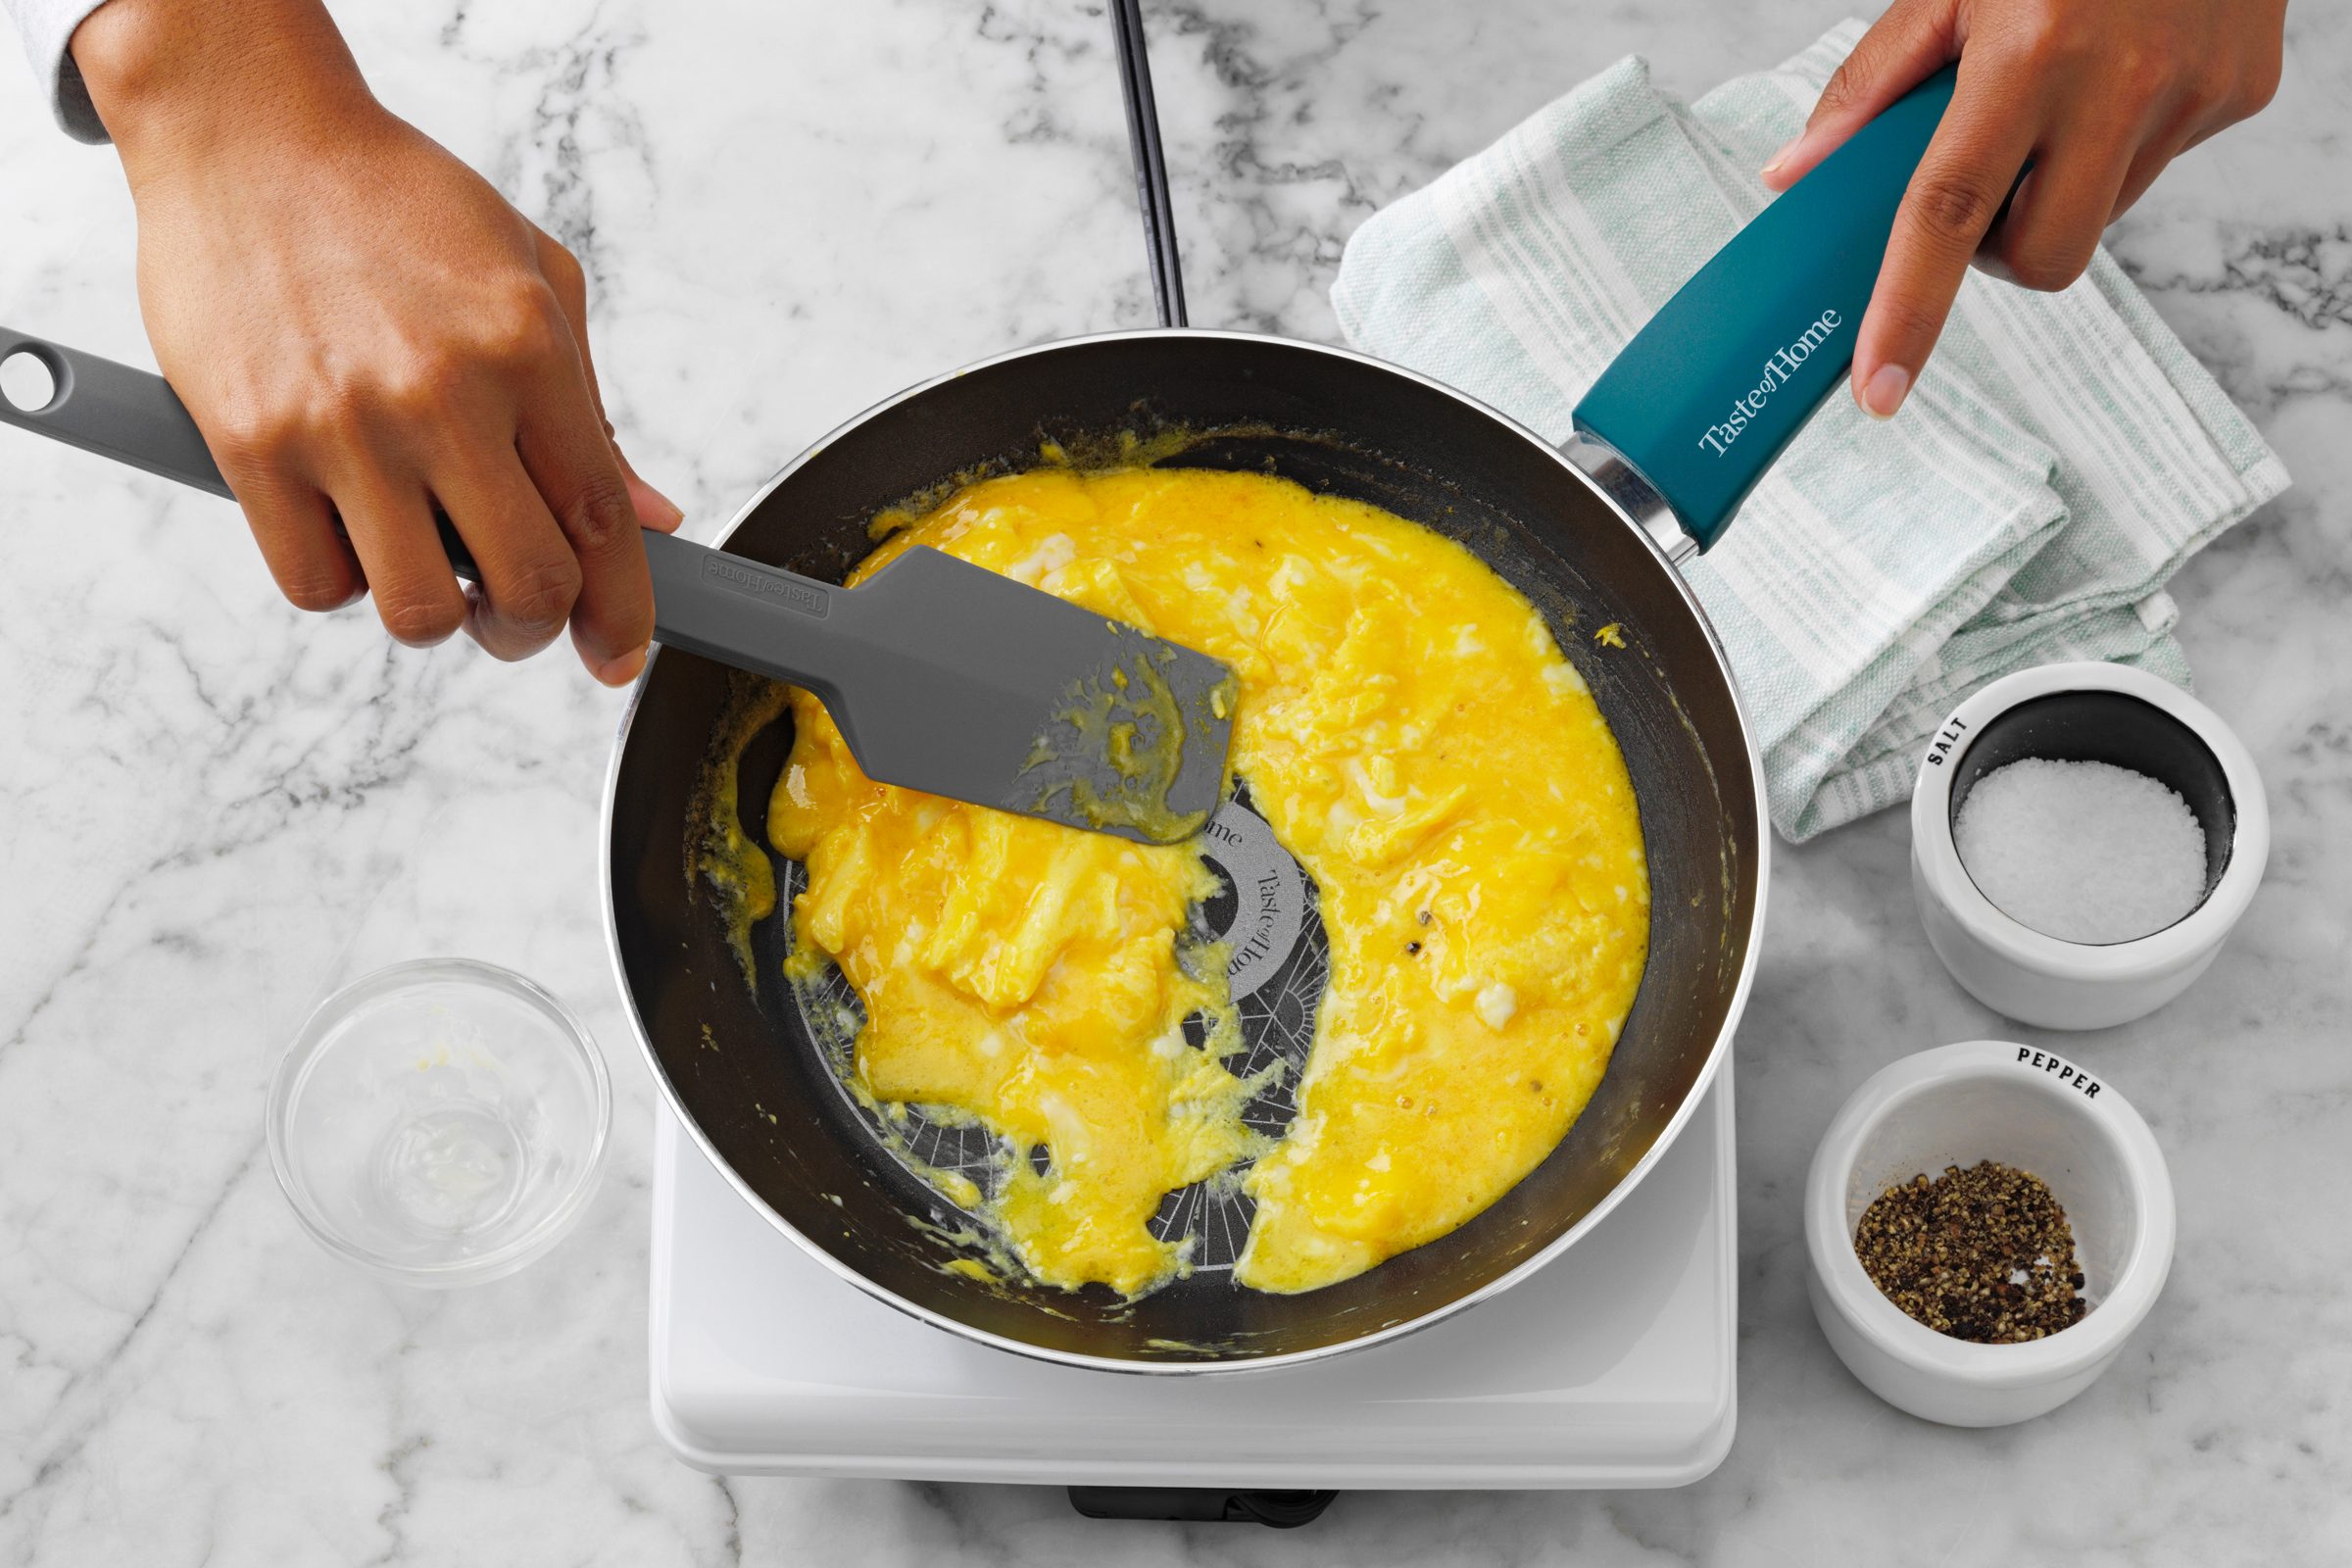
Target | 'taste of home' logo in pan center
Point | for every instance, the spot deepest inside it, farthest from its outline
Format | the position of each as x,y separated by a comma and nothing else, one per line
1259,909
1277,963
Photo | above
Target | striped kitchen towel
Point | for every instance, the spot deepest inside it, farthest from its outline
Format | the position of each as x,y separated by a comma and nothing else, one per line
2060,458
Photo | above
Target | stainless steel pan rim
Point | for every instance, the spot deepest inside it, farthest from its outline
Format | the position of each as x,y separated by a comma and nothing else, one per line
1560,1244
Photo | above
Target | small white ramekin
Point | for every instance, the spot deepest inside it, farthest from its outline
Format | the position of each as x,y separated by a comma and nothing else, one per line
2025,1108
2042,980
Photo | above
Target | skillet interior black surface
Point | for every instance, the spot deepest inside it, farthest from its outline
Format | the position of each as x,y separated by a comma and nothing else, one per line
742,1070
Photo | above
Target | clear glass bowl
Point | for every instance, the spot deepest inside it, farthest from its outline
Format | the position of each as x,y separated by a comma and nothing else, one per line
441,1122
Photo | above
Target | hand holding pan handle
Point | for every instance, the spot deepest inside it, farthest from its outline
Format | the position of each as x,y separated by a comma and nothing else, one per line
1702,400
133,416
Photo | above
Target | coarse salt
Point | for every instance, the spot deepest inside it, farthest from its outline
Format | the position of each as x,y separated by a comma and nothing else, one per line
2083,852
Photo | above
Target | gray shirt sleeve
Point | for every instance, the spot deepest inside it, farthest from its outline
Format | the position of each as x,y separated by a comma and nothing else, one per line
47,25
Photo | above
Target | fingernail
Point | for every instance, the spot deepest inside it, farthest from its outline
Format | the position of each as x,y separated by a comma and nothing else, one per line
1772,164
653,508
1885,391
622,670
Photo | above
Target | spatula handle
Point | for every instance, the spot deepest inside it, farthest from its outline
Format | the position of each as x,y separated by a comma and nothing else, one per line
709,602
135,418
113,411
756,617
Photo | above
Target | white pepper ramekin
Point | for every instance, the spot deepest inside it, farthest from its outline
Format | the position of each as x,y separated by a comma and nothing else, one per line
2100,713
2025,1108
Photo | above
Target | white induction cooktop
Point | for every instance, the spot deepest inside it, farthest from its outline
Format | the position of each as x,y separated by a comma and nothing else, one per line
1613,1366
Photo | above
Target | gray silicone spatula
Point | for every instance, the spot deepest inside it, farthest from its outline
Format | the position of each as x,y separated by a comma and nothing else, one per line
943,676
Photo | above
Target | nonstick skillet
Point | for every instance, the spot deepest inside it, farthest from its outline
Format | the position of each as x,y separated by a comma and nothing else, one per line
1667,443
1591,534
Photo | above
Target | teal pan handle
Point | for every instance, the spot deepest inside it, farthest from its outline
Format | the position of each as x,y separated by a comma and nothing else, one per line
1705,396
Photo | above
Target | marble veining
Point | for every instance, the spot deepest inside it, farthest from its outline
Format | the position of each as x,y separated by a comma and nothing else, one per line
218,810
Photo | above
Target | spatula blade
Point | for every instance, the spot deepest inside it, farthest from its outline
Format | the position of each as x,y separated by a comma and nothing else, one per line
984,689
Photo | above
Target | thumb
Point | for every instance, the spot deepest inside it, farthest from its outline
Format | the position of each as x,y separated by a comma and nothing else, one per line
655,510
563,275
1903,48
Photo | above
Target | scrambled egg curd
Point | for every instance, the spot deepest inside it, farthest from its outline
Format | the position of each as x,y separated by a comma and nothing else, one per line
1413,736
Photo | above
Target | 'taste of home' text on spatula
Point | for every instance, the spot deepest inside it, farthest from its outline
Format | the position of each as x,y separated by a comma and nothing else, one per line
943,676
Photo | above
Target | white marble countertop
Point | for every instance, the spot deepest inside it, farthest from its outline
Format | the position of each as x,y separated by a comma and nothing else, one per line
216,810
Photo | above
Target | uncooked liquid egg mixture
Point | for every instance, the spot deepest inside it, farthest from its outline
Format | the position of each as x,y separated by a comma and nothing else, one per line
1412,735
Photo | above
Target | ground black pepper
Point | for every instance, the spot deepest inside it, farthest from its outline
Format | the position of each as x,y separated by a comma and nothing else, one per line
1983,1254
